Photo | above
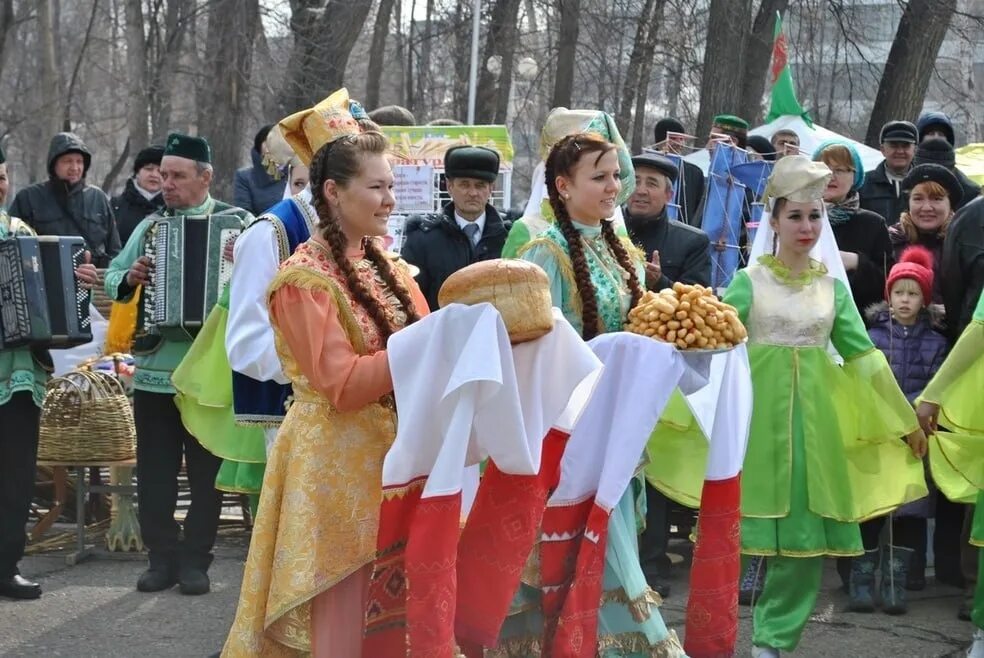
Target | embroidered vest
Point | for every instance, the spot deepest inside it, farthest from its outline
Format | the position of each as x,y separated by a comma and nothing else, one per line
264,403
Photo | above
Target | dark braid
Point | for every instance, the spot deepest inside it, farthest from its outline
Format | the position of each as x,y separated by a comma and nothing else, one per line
622,256
561,162
388,273
339,161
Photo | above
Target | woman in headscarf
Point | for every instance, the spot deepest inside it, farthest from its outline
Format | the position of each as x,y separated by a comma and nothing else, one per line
560,123
861,235
823,450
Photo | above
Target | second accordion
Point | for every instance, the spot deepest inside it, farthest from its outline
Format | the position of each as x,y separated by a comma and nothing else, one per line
42,303
190,272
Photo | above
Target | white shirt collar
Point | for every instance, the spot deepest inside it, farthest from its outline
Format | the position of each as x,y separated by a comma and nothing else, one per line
144,193
462,223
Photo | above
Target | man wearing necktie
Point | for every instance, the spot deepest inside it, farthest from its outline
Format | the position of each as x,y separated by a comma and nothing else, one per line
467,230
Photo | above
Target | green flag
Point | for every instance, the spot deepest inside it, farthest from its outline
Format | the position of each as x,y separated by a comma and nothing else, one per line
783,91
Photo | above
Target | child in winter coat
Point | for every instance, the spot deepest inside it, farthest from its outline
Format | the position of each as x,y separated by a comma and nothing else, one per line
902,328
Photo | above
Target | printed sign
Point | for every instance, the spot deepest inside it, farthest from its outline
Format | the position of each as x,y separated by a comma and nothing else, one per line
413,187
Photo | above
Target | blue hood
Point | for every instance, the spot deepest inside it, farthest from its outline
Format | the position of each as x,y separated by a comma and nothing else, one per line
927,119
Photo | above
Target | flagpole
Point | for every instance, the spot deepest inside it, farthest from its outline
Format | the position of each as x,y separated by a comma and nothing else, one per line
473,73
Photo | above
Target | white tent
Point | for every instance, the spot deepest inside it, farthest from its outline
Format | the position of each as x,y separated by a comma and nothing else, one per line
810,139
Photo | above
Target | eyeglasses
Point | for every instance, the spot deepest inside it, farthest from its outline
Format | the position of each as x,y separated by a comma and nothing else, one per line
843,172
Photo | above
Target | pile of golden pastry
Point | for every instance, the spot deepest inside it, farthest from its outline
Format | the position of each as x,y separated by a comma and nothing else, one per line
690,317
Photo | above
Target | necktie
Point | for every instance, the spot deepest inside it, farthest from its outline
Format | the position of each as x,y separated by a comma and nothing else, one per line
471,230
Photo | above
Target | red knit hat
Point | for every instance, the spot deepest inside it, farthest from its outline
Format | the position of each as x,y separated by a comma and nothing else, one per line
916,263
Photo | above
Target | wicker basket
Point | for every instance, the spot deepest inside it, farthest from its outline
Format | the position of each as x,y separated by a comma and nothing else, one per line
86,417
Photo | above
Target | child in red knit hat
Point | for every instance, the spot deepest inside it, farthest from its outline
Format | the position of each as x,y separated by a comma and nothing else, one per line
902,328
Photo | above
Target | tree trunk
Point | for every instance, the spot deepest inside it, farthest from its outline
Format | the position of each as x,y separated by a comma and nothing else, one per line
910,63
462,39
50,87
377,52
570,14
160,90
424,77
224,102
73,81
758,54
492,102
324,36
6,27
645,73
632,73
136,61
724,59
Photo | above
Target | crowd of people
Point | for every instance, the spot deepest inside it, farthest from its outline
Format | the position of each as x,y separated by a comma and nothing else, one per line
884,267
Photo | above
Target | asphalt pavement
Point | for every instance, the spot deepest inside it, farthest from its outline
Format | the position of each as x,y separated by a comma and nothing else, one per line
93,609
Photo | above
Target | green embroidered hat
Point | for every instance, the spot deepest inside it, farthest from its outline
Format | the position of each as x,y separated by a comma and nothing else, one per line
186,146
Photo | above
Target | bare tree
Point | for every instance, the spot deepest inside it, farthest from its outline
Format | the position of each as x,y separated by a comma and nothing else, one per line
377,54
324,35
910,62
645,73
223,98
136,60
492,100
570,14
6,27
758,52
724,60
50,79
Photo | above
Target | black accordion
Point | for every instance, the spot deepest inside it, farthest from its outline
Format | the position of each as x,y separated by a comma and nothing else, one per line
189,275
42,304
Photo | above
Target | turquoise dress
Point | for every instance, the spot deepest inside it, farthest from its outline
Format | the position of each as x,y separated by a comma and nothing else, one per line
626,597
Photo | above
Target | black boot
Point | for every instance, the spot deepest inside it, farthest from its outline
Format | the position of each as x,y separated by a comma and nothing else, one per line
161,575
895,572
193,575
861,585
18,587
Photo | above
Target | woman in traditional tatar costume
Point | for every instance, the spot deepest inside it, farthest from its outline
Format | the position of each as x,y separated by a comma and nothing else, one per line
595,278
333,305
824,450
953,398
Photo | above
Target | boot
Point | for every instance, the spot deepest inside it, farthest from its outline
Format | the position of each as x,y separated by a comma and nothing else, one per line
895,573
862,582
752,580
162,574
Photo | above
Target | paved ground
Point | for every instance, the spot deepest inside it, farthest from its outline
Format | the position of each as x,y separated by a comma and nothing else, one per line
92,609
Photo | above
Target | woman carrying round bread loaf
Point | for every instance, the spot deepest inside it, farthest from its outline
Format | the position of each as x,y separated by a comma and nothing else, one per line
595,278
824,450
333,305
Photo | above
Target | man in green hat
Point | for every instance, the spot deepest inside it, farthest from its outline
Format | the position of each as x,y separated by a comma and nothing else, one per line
468,229
734,127
162,440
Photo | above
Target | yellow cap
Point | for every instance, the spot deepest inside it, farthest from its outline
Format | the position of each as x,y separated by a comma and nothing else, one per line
308,130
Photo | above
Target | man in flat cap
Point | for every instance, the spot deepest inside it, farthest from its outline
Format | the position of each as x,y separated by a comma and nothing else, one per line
66,205
141,195
162,440
882,190
467,231
674,252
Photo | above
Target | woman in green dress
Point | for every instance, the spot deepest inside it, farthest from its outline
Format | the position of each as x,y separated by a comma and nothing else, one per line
953,399
595,279
824,450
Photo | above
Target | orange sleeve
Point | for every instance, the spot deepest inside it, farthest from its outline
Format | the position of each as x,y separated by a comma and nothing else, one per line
308,321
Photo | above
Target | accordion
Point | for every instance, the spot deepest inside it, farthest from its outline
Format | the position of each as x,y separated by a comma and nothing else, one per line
190,272
42,304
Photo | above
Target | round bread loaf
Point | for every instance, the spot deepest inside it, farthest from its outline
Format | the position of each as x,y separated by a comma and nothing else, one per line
519,290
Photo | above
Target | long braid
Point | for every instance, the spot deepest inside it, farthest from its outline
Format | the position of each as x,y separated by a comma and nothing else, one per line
622,256
388,273
582,275
342,157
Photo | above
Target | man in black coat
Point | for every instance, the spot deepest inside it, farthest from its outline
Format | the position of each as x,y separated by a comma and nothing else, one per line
66,205
882,191
675,252
141,196
468,230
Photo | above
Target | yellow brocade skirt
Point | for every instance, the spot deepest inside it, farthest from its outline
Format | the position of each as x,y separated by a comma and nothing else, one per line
316,523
